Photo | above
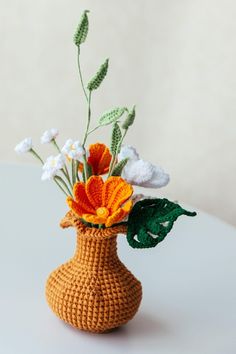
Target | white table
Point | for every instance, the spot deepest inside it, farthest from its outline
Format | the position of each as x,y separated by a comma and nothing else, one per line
189,299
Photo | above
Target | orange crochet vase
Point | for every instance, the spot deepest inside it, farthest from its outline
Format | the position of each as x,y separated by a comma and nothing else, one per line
94,291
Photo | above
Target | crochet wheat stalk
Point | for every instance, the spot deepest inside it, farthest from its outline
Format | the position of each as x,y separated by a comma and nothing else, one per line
94,291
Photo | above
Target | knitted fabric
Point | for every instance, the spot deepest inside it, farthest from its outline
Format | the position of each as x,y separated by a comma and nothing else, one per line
100,202
151,220
94,291
99,158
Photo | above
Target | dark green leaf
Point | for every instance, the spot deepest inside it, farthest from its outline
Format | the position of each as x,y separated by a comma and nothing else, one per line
151,220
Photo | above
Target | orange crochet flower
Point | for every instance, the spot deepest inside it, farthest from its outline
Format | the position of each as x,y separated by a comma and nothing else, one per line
99,158
100,202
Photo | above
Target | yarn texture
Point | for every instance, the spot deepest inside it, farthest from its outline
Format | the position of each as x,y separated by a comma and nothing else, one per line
151,220
94,291
100,202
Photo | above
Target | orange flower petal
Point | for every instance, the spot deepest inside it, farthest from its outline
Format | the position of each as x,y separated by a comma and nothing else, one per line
93,188
127,206
115,217
77,209
121,193
99,158
108,188
104,163
101,203
119,214
94,219
81,198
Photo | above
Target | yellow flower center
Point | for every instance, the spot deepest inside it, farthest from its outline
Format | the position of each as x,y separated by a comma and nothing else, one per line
102,212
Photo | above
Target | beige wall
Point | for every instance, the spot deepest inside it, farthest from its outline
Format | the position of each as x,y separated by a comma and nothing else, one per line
174,58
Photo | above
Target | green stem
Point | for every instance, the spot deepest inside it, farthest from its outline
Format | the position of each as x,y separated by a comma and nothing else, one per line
88,119
64,171
56,145
121,141
77,171
88,99
73,171
58,184
80,75
66,174
34,153
92,130
86,135
115,155
58,178
111,165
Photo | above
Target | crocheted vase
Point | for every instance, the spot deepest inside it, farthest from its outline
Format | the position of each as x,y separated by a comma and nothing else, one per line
94,291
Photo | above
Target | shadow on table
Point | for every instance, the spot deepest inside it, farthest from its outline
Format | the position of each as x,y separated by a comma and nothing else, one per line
142,327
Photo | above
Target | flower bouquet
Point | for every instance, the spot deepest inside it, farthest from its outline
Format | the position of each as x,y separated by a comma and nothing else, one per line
94,291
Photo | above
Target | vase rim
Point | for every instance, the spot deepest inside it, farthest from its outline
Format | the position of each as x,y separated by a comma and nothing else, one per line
70,220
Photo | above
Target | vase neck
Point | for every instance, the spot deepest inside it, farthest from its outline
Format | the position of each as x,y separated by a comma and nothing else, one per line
95,252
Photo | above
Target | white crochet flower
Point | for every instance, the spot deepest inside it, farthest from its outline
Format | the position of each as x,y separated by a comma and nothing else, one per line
159,178
73,149
52,165
142,173
128,151
49,135
24,146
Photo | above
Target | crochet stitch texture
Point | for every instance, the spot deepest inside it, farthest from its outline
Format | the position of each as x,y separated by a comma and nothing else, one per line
100,202
94,291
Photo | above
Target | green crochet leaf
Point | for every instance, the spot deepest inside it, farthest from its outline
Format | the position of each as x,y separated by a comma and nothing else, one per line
82,29
151,220
115,138
96,81
129,120
111,116
117,170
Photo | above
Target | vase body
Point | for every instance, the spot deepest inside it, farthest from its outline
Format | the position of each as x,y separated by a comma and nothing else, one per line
94,291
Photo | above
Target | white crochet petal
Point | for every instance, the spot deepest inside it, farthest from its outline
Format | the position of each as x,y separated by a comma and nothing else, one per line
52,165
159,178
138,172
49,135
73,150
141,173
24,146
128,151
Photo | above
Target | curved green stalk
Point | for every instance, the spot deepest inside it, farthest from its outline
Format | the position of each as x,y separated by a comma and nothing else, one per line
88,119
92,130
86,135
73,173
80,75
58,184
64,171
34,153
58,178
